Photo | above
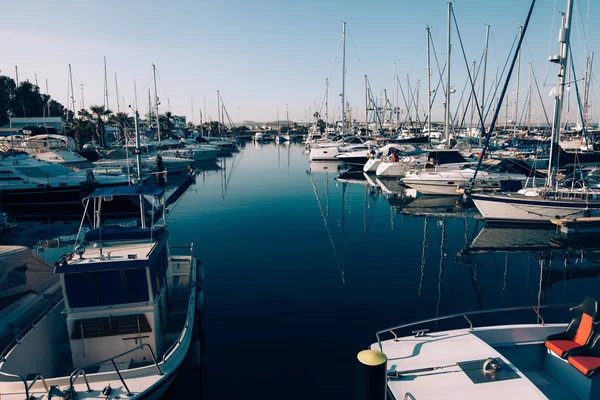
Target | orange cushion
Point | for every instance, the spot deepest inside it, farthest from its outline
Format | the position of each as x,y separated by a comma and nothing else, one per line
584,331
560,347
585,364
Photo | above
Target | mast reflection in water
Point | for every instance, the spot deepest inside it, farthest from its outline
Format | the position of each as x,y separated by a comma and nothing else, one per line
302,269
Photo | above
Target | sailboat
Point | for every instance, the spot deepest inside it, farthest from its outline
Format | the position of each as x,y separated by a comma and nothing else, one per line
541,205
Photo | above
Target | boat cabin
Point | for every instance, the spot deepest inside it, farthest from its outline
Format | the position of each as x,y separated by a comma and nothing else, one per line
115,286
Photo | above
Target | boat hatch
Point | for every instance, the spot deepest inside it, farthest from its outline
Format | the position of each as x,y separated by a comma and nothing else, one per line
488,370
110,326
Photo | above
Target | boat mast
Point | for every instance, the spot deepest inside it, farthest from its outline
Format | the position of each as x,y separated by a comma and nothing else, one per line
219,112
117,91
156,103
516,113
473,98
485,57
447,105
562,60
586,95
326,104
428,82
366,107
529,103
343,80
392,113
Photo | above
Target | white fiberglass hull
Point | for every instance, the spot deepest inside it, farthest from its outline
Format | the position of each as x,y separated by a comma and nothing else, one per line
370,166
205,154
323,154
502,208
390,170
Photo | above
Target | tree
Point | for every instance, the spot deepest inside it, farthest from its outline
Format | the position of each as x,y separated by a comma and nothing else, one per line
98,113
7,90
81,130
121,121
26,101
166,124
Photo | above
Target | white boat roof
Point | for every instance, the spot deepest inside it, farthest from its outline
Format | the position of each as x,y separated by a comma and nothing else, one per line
119,251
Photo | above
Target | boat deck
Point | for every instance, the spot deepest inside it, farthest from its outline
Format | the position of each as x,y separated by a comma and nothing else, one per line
523,377
140,377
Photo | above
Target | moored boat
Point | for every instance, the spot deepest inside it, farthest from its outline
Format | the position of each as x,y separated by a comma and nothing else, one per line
129,314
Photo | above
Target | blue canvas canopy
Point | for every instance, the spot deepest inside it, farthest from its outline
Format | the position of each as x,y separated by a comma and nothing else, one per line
133,190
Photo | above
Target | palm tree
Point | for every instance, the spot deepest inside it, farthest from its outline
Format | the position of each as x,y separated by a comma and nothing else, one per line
166,123
81,130
99,112
122,121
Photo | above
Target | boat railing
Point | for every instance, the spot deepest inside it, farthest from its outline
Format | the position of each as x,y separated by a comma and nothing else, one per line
81,371
21,334
409,396
21,379
466,315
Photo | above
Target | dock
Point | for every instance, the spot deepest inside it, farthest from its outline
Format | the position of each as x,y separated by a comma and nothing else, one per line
575,226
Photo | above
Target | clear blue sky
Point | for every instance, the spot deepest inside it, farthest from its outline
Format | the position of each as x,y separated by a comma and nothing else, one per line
263,54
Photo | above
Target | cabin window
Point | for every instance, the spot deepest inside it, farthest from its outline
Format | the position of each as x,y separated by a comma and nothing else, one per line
16,277
105,288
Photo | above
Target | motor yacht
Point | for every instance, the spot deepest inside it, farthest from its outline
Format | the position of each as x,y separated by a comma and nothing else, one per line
128,318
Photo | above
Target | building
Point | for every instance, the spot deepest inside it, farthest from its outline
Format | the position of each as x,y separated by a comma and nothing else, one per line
17,124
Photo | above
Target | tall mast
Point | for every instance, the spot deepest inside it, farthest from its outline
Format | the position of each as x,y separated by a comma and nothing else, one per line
82,101
393,96
516,113
192,114
48,101
428,82
105,86
117,92
473,99
219,111
72,102
529,96
149,108
561,60
326,102
366,106
343,79
156,103
447,106
586,93
485,57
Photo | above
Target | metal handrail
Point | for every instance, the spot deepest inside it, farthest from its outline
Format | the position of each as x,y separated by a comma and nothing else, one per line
22,380
75,374
38,376
73,377
466,314
409,396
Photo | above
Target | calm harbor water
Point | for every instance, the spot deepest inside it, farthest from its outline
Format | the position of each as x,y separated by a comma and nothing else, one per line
302,269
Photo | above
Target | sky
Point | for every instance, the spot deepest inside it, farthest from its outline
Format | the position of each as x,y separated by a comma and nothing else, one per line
263,55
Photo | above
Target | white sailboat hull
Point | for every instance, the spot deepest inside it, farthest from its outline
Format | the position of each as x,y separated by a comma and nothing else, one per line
323,154
520,209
